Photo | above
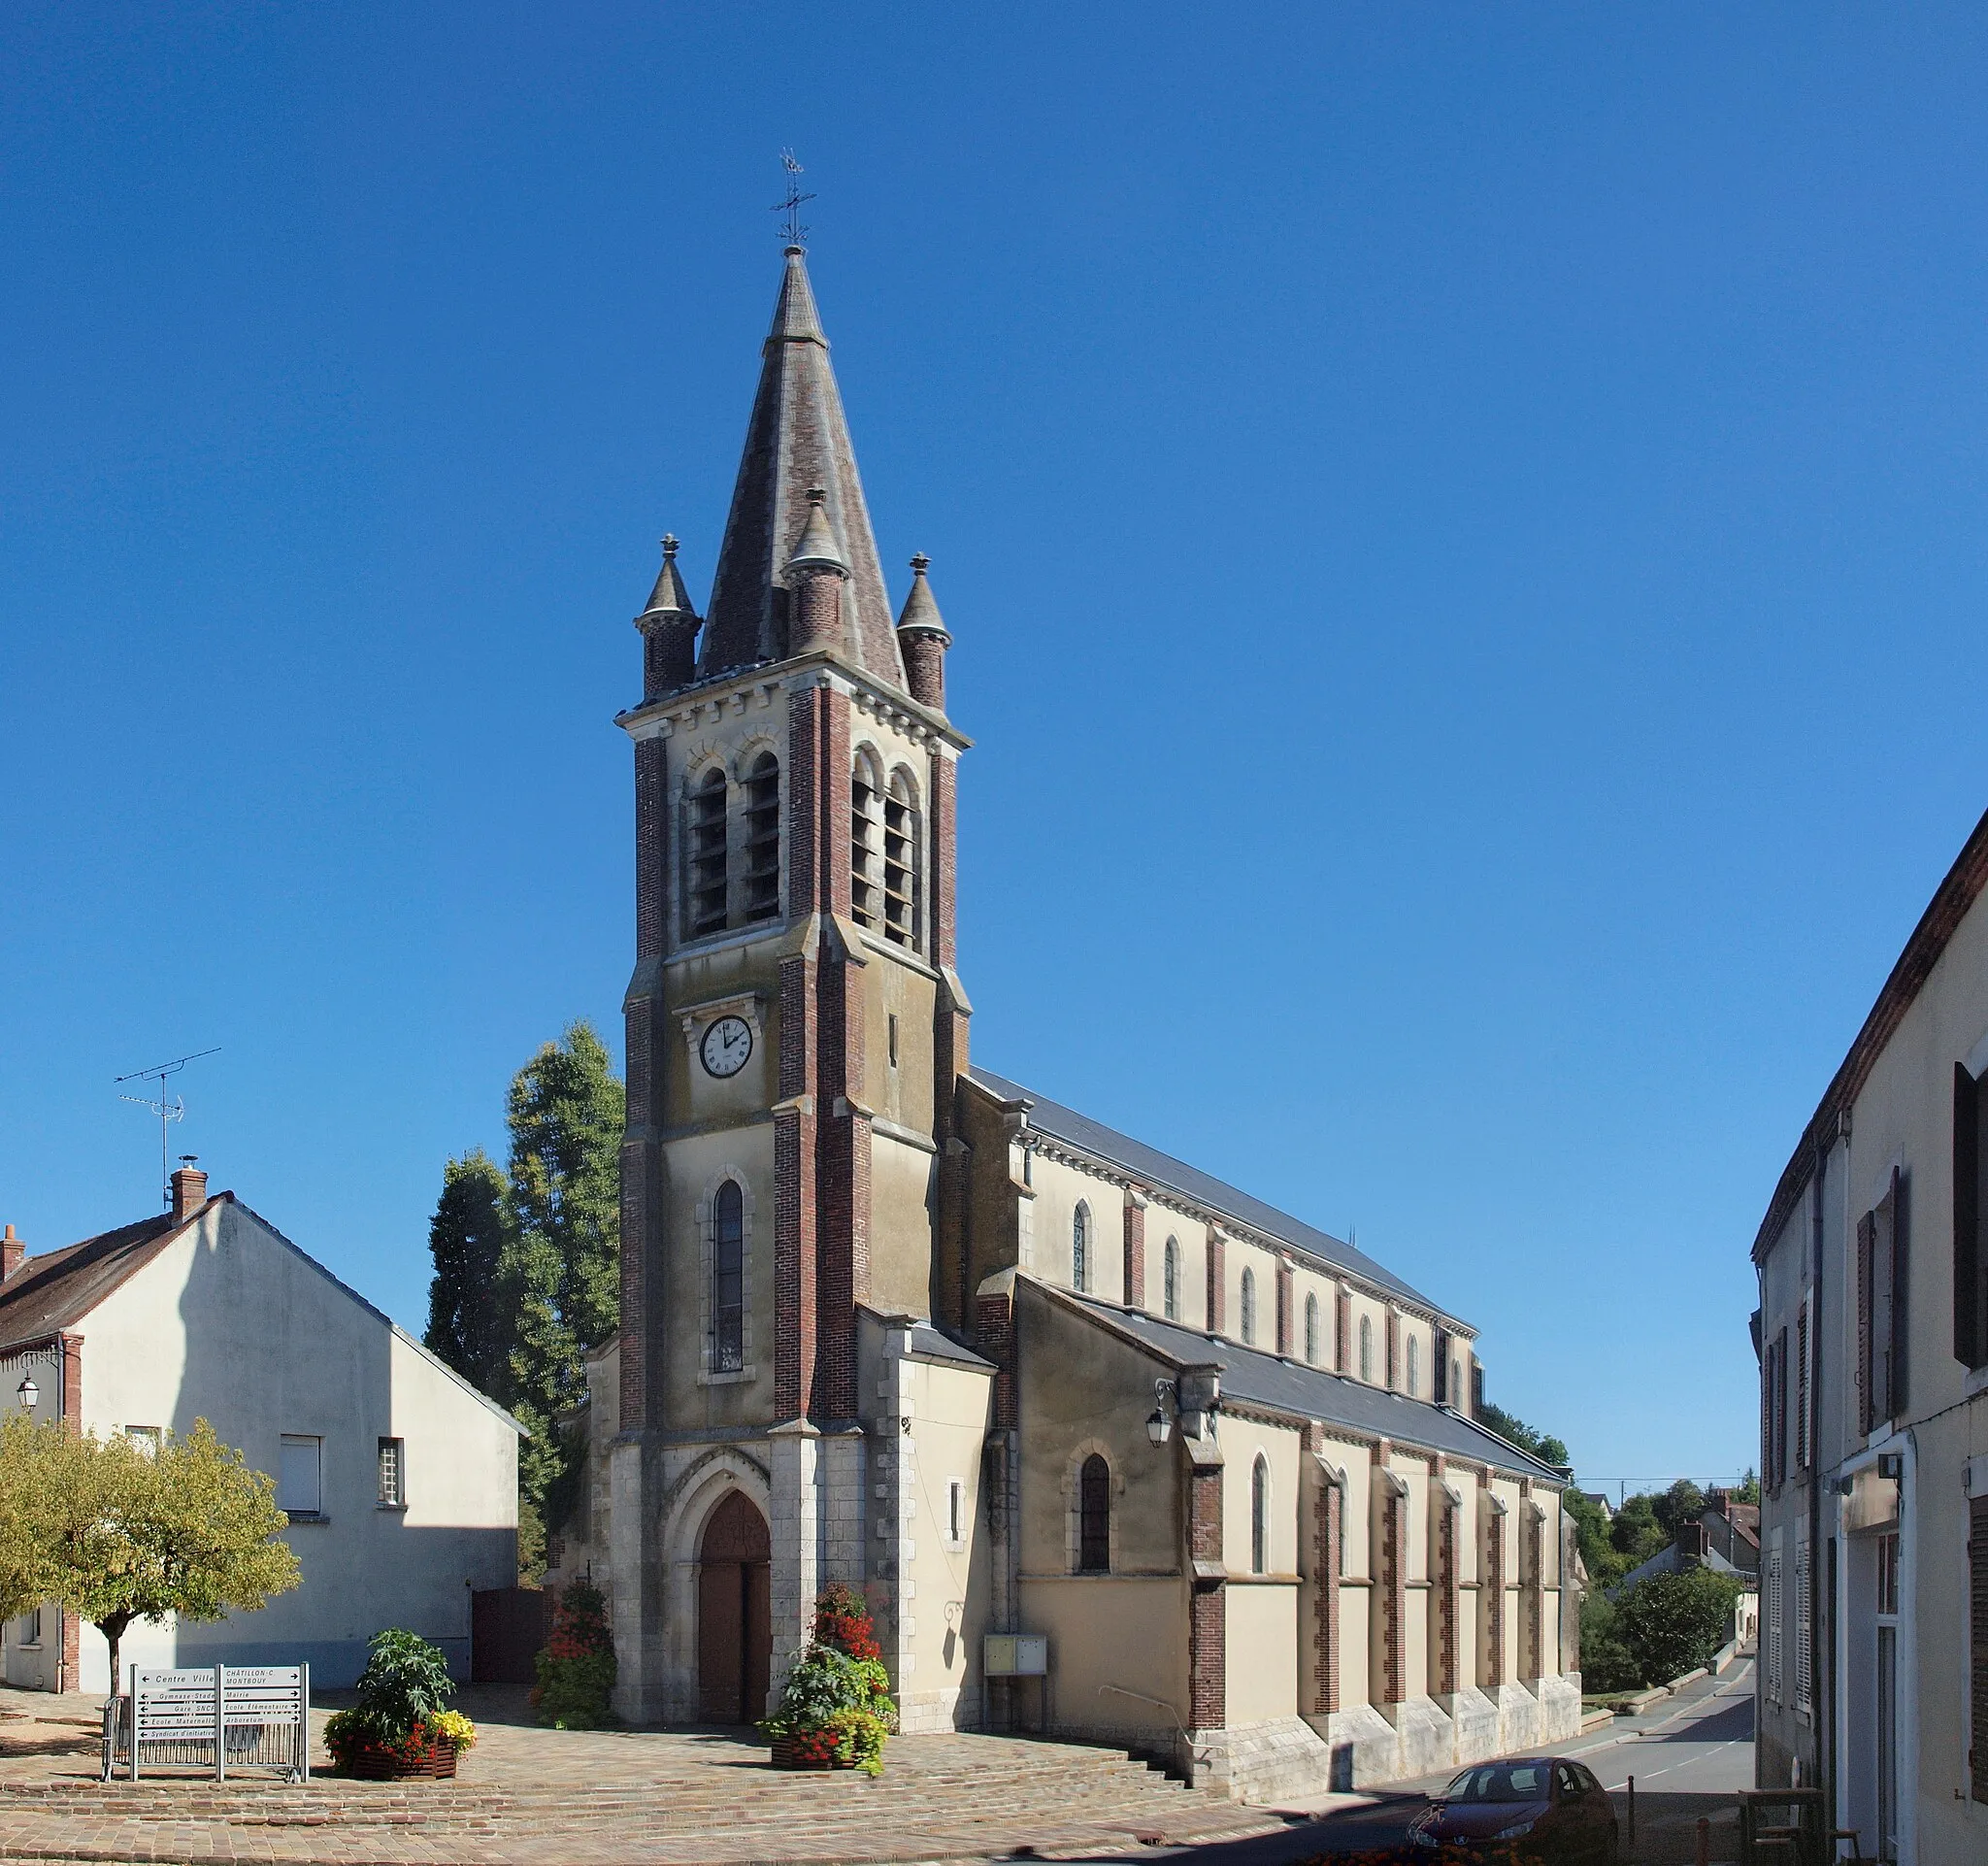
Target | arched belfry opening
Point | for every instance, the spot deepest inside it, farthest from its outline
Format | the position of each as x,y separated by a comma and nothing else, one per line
733,1618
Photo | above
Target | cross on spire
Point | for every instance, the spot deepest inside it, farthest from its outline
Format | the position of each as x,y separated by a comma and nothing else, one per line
797,234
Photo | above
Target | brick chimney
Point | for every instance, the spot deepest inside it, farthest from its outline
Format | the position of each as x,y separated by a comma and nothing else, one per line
13,1254
189,1189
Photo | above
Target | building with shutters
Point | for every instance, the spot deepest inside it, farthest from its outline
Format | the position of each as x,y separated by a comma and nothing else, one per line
399,1478
894,1321
1873,1339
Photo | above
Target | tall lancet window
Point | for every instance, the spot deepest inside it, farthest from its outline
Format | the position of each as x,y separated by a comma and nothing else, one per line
763,839
1259,1515
1414,1368
900,864
1250,1307
1367,1348
1094,1516
1080,1248
707,856
1170,1279
1311,1330
728,1280
866,871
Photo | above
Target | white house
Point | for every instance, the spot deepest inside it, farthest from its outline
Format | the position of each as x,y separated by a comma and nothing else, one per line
400,1479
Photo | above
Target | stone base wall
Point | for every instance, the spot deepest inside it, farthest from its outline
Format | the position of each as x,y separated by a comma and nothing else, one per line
924,1713
1283,1760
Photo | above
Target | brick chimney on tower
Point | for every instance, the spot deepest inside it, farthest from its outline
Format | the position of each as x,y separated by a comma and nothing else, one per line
189,1189
13,1254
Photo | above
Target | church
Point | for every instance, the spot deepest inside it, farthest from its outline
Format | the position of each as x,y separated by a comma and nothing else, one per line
1116,1451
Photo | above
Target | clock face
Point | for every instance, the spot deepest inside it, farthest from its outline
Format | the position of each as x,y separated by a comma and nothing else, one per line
727,1045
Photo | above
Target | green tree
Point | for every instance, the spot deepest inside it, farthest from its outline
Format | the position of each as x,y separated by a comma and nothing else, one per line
1747,1490
1636,1534
1607,1664
31,1474
1597,1553
467,1239
1683,1502
122,1534
1548,1451
1674,1623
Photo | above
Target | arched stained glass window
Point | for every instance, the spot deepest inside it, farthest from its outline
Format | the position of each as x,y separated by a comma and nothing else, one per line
1311,1330
1170,1279
1367,1348
1249,1305
1094,1516
1080,1248
1259,1517
728,1280
1414,1368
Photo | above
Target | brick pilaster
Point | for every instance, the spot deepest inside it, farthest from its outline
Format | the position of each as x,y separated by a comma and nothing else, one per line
1286,1296
1208,1658
795,1228
1491,1586
1134,1250
1321,1678
1449,1596
1391,1577
1217,1285
1342,1330
1394,1349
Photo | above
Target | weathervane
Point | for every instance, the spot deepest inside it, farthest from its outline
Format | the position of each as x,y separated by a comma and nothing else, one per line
167,1112
797,234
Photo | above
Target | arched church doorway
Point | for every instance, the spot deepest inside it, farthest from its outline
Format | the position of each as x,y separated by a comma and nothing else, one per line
734,1620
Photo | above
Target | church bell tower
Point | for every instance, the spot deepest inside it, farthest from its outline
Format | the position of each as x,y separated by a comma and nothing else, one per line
795,1036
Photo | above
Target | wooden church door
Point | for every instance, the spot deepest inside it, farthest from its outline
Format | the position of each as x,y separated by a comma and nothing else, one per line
734,1615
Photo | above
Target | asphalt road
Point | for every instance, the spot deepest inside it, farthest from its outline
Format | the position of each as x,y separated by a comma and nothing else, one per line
1688,1756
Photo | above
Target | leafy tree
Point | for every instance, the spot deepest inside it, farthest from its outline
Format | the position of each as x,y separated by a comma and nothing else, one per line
1607,1664
1747,1490
1636,1534
1674,1623
120,1534
1547,1449
1597,1553
468,1236
1683,1502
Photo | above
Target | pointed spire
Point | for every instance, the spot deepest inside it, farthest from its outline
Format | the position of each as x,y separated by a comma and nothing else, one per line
669,628
797,439
922,640
816,546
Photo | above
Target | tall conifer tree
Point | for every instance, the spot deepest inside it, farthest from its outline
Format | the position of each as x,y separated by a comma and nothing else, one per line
468,1238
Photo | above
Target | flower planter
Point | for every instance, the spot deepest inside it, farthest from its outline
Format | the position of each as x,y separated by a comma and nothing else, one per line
785,1755
375,1762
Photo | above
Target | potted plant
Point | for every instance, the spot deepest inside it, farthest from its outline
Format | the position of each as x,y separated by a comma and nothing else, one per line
576,1667
835,1709
401,1726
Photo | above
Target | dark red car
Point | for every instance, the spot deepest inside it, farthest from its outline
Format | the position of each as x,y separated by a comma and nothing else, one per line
1544,1808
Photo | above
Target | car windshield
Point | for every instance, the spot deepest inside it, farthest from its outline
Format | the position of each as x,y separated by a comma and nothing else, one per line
1499,1781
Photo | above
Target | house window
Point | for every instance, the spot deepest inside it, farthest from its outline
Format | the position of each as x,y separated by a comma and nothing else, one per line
145,1438
1249,1305
1311,1329
31,1627
300,1476
1367,1348
866,877
707,856
728,1280
393,1474
955,1510
1259,1517
1414,1367
1094,1516
900,865
1080,1248
1170,1279
763,839
1881,1284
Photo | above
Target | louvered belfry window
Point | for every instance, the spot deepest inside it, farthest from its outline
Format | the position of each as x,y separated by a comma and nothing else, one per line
763,839
866,877
900,864
707,856
1094,1516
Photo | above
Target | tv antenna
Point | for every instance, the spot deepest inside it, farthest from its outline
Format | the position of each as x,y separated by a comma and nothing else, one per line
167,1110
797,234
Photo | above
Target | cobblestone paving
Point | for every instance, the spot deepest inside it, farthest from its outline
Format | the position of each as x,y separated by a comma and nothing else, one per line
612,1798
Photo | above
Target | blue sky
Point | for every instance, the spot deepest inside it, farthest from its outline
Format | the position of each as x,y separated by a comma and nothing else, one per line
1463,530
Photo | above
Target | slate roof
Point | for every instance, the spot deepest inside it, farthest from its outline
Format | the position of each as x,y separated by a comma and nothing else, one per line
1163,1170
1267,1379
58,1289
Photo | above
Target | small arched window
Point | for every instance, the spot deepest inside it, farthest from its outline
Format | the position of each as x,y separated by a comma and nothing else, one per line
1170,1279
1456,1384
866,875
728,1280
1259,1517
901,868
1094,1516
763,839
1311,1330
1249,1305
1414,1368
707,856
1080,1248
1367,1348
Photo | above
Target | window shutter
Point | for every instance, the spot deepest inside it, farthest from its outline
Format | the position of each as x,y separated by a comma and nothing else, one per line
1802,1453
1968,1321
1977,1593
1780,1407
1773,1626
1767,1416
1802,1651
1893,1233
1866,1252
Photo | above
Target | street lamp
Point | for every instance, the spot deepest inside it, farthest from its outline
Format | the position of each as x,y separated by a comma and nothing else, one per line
28,1393
1159,1427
